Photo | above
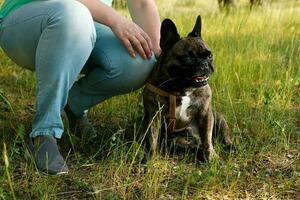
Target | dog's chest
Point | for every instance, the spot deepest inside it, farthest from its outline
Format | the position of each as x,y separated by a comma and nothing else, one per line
182,111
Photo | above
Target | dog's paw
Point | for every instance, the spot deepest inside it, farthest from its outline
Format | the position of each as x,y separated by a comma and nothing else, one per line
206,155
230,148
210,155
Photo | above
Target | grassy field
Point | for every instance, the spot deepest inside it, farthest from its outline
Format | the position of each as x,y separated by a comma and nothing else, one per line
256,85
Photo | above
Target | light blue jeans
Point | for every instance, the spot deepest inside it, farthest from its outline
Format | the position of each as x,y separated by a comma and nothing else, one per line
58,39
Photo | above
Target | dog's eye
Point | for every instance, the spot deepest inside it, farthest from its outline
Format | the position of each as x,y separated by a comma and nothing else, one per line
188,60
210,56
206,54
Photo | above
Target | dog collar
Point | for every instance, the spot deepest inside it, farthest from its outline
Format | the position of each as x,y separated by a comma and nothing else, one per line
172,107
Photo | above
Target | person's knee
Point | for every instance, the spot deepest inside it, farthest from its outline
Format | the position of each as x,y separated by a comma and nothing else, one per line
133,72
73,19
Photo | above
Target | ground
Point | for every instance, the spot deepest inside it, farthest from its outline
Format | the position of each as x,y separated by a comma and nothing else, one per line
256,86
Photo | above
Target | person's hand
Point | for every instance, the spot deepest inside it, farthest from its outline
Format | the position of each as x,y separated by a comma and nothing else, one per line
157,51
133,37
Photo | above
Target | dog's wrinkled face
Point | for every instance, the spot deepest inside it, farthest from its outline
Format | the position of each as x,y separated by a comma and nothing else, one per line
187,62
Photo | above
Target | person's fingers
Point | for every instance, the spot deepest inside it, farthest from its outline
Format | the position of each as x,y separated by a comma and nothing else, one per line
129,47
138,46
148,40
144,45
134,39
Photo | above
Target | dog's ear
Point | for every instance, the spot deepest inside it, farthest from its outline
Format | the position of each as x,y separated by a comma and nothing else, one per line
168,35
196,32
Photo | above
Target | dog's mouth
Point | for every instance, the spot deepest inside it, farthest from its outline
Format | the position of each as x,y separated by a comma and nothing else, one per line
201,80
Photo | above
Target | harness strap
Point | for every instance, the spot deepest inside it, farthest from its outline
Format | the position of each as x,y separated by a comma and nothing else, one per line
172,112
157,90
172,107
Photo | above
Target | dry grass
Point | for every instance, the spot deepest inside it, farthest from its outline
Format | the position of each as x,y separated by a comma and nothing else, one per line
256,86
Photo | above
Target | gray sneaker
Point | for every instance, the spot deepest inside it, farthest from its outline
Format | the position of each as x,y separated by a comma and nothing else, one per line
47,156
80,126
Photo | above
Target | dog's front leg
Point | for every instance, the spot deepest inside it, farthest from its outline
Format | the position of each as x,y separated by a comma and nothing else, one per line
206,123
154,135
152,126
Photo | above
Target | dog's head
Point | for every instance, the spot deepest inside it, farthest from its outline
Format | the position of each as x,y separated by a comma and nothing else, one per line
185,62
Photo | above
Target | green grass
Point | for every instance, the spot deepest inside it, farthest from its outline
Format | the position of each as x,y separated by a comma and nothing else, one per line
256,86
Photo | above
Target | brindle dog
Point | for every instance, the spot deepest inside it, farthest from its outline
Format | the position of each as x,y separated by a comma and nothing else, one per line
183,69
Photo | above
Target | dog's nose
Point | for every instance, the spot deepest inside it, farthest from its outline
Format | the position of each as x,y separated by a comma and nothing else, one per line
203,64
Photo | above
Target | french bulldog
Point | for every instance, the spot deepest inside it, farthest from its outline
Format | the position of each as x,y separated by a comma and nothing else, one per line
177,97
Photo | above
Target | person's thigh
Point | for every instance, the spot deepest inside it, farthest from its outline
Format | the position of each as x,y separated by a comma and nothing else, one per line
113,69
110,71
21,30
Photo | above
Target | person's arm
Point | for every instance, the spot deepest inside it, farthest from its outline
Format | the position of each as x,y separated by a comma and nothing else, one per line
132,36
145,14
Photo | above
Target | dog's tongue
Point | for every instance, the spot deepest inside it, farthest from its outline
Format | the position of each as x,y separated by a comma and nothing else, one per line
201,78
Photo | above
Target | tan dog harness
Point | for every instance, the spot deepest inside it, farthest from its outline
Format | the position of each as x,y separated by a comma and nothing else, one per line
172,107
